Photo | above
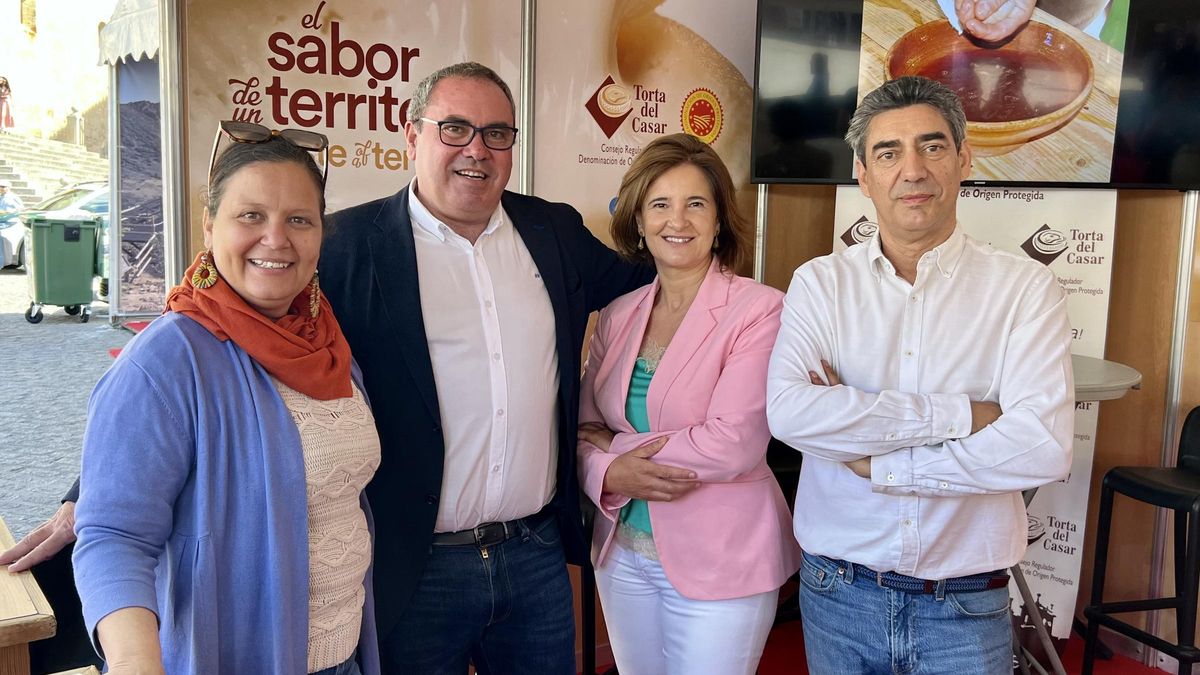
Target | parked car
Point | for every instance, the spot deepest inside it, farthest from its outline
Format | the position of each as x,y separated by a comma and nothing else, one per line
90,197
12,242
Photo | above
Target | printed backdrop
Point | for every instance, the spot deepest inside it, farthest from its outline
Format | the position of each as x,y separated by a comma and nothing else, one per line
1071,231
345,69
612,75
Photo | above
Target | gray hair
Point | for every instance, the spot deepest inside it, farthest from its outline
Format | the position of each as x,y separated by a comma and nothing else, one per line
467,69
240,155
903,92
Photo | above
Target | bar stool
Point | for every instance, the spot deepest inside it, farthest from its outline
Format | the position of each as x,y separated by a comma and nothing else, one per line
1177,489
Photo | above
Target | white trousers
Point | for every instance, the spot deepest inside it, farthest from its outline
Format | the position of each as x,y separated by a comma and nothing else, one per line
654,630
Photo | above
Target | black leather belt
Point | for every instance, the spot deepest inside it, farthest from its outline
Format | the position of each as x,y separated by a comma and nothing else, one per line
489,534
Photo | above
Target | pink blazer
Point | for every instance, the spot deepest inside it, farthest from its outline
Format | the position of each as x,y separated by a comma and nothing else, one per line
732,536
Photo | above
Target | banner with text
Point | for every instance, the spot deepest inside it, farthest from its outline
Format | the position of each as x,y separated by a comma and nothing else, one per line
344,69
613,75
1071,231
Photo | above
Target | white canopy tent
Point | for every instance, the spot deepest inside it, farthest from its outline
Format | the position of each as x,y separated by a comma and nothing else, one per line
131,33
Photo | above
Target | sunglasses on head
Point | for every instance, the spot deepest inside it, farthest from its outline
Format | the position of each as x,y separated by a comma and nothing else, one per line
249,132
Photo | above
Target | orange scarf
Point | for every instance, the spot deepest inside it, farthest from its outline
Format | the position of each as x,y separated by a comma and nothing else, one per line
307,354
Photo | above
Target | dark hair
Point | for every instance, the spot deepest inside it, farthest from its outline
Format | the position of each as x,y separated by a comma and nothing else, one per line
660,156
240,155
468,70
903,92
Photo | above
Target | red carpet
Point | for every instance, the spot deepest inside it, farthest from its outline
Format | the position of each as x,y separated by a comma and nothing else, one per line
784,655
134,326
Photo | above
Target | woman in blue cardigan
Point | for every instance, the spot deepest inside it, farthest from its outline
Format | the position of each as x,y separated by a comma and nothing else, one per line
221,523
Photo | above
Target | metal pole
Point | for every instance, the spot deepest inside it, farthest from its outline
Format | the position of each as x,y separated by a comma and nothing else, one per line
1169,452
114,194
170,86
760,235
525,109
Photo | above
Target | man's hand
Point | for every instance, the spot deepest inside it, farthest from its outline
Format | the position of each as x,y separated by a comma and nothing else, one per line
597,434
831,378
44,542
993,20
983,413
861,466
634,475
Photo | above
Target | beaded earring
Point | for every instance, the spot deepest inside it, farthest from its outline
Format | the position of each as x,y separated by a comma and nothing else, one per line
206,274
314,296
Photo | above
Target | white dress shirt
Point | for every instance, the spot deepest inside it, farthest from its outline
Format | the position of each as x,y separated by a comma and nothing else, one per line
978,325
491,335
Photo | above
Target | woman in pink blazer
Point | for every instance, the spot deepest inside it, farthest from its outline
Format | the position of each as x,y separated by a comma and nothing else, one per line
693,536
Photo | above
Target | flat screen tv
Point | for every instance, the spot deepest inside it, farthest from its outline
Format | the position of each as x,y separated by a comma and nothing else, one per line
1087,93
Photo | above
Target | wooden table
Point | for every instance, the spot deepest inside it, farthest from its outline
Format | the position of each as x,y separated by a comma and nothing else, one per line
1079,151
25,615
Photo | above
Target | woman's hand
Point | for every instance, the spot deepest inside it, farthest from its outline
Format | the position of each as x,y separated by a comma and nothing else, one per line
634,475
597,434
44,542
147,667
129,638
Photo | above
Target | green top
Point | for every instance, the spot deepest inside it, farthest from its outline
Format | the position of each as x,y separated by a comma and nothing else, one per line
1113,31
636,513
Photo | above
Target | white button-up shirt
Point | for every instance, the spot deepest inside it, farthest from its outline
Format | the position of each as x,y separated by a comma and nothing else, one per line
978,325
491,335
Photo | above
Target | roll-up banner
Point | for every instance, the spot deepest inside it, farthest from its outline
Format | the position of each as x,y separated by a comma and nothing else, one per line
136,284
1070,231
613,75
345,69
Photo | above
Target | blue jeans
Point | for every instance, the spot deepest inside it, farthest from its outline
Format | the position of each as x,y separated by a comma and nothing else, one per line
508,613
854,626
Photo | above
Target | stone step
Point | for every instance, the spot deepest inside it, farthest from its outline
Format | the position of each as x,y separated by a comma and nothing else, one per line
72,151
46,166
49,144
19,186
24,145
22,157
15,178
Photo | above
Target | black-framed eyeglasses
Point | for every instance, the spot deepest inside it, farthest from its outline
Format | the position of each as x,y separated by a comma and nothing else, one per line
250,132
457,133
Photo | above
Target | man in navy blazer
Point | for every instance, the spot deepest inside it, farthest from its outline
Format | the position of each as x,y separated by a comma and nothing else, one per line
496,591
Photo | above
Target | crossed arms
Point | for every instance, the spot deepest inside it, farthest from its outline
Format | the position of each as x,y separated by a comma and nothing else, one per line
931,444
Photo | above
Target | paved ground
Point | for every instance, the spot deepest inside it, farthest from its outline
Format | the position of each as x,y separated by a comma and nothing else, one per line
47,371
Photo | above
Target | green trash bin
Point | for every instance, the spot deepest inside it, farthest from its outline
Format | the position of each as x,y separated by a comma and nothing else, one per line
61,264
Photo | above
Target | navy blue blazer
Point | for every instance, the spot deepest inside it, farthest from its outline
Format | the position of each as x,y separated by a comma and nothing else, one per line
369,273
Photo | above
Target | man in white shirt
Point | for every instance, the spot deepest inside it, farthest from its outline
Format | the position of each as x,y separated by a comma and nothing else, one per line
927,379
